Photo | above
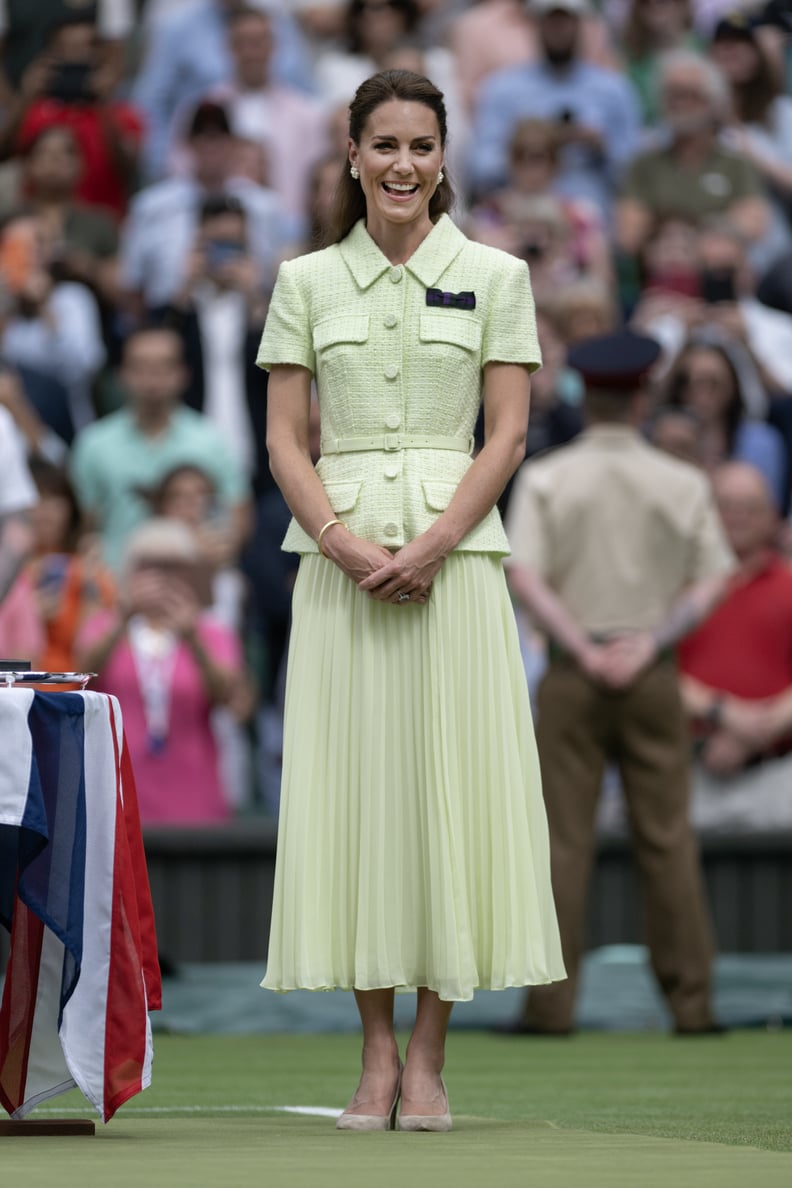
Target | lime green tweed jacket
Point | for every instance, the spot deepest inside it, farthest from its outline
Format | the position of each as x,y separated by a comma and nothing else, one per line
397,353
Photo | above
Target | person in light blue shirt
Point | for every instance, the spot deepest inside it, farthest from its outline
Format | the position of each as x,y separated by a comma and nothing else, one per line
596,111
163,218
188,54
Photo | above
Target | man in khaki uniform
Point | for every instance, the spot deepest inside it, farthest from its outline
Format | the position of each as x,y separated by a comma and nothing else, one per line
617,552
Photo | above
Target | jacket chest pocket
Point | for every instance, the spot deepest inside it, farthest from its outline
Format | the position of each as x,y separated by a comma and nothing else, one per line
452,329
339,332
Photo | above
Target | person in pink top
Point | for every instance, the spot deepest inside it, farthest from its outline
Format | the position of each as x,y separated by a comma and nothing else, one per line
169,664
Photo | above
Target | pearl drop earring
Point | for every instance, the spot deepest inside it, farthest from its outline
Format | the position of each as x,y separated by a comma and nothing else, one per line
355,172
440,177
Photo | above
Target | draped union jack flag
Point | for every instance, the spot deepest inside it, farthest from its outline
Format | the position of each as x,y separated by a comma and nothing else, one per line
83,972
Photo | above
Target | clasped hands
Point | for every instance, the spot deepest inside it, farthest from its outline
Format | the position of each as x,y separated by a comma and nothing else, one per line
618,662
383,574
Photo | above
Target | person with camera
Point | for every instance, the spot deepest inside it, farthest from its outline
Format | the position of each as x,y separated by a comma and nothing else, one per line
582,248
51,325
163,220
67,85
170,664
596,110
722,300
219,311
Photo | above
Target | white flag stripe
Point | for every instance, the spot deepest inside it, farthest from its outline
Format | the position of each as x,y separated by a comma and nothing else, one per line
47,1073
82,1030
16,753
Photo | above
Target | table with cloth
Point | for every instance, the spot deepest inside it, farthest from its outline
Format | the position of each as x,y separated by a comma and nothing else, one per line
83,972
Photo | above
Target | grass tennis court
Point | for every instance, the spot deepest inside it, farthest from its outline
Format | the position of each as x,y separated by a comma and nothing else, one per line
600,1110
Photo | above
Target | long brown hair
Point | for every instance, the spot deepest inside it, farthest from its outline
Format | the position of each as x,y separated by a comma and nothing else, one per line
350,201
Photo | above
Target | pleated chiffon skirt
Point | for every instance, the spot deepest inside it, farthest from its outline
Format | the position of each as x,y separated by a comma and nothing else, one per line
412,844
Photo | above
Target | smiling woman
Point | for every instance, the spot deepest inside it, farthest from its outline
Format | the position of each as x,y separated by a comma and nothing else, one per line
413,846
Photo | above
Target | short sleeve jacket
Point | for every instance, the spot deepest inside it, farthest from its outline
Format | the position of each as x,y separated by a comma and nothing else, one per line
398,353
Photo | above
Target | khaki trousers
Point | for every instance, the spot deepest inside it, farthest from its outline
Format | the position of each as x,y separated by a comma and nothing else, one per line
643,730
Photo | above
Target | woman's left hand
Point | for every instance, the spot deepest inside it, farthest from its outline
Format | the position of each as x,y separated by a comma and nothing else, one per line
411,572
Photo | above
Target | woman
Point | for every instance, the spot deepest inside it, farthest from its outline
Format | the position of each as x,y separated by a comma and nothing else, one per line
761,128
413,843
170,664
70,581
501,218
84,238
717,381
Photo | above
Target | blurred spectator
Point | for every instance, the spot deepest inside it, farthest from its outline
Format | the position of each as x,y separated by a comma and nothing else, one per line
24,29
53,325
493,34
67,578
290,126
189,494
500,218
760,126
583,309
676,431
84,238
169,664
712,380
126,453
163,219
68,87
775,288
652,28
596,111
554,420
725,301
17,497
21,632
374,31
188,53
691,177
219,312
322,186
669,266
39,408
737,671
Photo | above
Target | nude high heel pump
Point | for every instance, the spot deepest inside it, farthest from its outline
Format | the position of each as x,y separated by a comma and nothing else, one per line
435,1122
372,1121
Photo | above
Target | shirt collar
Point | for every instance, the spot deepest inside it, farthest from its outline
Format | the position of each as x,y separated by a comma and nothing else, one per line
427,263
612,434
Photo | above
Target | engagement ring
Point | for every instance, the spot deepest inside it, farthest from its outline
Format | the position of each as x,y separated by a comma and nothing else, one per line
403,597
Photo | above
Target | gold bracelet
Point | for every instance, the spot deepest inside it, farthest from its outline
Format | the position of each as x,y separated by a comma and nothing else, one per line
322,531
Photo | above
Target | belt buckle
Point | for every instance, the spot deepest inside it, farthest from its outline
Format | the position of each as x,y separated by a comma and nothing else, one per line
392,441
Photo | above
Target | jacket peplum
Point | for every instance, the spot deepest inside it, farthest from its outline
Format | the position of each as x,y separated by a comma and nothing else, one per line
389,361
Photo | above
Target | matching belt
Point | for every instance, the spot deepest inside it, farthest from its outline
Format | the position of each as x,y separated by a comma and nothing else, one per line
397,441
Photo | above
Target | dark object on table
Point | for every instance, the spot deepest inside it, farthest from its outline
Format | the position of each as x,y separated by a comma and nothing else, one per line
14,666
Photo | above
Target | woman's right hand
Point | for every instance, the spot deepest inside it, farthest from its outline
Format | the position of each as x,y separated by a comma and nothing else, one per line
355,557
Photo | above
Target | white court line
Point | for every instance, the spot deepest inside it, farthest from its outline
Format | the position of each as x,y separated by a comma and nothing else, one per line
312,1111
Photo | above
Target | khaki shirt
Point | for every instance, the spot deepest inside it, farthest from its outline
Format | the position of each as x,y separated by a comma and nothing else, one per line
616,528
391,368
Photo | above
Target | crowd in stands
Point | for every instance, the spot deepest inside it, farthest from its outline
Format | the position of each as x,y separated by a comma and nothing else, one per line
159,158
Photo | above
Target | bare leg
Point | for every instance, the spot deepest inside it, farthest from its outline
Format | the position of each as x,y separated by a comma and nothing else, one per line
374,1094
422,1092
